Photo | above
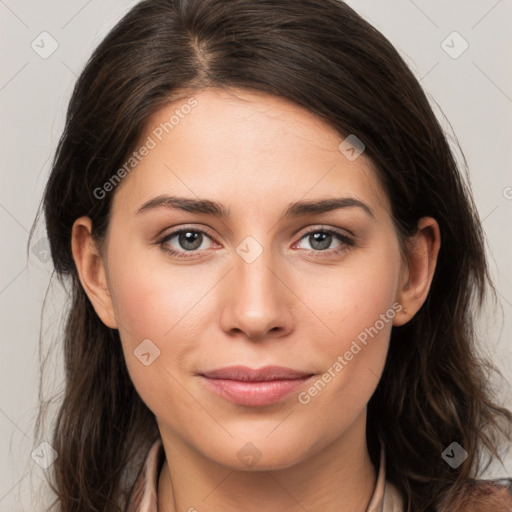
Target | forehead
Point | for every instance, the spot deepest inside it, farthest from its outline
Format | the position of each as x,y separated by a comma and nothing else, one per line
247,148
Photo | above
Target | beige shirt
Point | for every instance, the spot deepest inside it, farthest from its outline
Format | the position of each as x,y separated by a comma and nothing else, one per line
385,498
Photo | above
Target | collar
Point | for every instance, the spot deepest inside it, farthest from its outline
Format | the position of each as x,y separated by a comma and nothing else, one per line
143,497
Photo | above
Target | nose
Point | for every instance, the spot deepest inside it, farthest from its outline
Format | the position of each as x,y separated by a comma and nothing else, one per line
256,300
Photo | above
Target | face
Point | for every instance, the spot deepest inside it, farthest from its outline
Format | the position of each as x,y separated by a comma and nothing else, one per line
255,278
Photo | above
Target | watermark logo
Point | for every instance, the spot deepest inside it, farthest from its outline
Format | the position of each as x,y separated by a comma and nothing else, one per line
44,455
249,249
454,45
41,249
352,147
146,352
454,455
44,45
249,455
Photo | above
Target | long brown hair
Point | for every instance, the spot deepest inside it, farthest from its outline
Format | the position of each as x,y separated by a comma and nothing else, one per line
323,56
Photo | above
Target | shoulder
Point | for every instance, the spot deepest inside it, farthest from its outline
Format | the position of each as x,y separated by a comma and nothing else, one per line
489,495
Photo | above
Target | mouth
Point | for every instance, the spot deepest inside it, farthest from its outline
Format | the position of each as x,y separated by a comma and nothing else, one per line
254,387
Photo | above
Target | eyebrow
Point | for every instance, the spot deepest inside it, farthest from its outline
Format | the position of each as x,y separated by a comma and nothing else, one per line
216,209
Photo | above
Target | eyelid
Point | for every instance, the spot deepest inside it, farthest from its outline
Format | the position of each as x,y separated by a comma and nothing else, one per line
184,227
328,229
308,230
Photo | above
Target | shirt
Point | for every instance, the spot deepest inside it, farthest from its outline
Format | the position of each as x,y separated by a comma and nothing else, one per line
385,498
143,498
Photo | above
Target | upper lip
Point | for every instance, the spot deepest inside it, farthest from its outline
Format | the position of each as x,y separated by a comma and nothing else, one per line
266,373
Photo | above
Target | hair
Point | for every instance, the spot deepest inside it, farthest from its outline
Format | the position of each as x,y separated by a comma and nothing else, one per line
321,55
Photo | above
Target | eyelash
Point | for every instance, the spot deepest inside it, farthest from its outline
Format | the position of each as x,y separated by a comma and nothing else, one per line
345,245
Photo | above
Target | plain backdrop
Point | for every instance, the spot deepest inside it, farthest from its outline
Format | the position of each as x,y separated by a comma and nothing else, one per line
461,52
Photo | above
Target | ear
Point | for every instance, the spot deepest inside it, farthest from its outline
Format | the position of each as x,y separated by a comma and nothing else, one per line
418,270
91,270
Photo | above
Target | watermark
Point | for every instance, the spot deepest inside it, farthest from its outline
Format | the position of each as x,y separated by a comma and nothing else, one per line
249,455
352,147
249,249
304,397
44,455
151,143
146,352
42,250
44,45
454,45
454,455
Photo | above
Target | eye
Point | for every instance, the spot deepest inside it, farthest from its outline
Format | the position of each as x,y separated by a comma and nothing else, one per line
189,243
185,240
321,240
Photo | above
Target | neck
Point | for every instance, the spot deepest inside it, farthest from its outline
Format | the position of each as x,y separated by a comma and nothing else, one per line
340,477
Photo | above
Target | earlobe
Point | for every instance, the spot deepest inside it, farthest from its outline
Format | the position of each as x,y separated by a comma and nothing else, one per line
91,270
417,274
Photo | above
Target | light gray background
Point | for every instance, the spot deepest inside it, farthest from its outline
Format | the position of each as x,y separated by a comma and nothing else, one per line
474,90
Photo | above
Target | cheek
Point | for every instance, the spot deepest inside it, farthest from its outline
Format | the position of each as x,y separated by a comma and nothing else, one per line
357,303
159,315
171,305
153,298
353,296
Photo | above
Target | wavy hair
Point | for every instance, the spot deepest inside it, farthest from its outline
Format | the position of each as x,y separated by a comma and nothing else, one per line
326,58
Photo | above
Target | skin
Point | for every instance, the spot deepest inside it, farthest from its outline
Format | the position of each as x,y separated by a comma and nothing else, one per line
256,154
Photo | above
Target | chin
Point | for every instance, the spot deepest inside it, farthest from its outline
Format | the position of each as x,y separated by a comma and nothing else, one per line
260,453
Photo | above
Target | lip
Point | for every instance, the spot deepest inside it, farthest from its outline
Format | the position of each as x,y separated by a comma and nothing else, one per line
254,387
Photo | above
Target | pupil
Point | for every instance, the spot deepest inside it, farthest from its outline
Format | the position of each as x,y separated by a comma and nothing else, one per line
190,240
323,240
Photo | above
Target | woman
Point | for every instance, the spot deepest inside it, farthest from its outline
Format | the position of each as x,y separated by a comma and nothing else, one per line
275,265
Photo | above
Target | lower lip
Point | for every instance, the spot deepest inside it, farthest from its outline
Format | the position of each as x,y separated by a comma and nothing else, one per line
253,394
